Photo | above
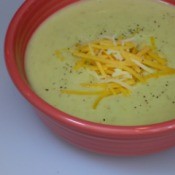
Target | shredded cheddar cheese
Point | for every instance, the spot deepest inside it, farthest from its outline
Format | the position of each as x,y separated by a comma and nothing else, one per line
118,65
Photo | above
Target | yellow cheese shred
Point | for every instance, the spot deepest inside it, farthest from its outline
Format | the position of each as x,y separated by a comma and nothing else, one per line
117,66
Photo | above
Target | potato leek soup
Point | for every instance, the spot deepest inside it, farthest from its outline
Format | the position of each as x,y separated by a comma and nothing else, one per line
107,61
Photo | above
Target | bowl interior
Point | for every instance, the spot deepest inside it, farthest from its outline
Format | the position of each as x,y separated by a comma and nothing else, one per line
31,14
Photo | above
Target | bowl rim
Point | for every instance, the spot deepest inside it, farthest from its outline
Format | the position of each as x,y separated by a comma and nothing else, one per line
80,125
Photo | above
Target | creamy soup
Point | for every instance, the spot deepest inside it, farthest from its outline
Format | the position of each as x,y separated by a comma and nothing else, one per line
85,21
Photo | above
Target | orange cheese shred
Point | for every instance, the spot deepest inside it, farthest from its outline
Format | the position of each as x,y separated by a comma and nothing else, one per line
117,65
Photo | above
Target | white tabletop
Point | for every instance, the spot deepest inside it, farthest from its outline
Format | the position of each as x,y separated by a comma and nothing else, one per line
27,147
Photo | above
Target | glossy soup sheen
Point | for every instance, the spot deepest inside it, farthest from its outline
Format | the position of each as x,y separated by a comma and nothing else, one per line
84,21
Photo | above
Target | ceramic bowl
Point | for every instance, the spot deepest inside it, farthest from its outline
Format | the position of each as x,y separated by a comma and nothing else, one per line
100,138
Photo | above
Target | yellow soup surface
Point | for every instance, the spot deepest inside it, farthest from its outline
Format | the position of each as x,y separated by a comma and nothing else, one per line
149,103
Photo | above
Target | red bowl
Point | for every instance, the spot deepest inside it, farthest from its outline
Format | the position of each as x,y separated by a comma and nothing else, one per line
106,139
